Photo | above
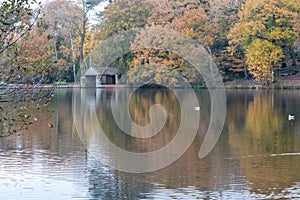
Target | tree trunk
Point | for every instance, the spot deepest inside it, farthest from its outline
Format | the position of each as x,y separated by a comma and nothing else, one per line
273,74
245,72
73,58
82,39
81,57
293,54
55,49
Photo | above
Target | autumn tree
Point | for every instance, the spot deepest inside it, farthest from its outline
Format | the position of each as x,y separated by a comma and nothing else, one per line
86,6
226,28
207,22
121,16
62,20
124,15
268,22
36,57
70,25
222,15
262,57
187,17
17,18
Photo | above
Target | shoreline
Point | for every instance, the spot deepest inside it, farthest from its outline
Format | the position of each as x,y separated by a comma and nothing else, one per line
227,85
289,82
284,82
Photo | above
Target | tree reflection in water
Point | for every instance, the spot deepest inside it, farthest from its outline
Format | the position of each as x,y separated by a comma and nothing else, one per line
261,135
257,156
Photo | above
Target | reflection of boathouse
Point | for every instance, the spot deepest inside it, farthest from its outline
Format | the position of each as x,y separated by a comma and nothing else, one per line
97,76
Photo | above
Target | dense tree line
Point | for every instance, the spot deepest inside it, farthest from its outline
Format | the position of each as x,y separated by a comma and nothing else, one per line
246,38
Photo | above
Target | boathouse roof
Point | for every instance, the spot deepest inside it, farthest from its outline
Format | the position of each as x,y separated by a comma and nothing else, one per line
95,71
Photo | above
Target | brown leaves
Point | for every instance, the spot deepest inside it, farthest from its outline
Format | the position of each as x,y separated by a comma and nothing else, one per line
124,15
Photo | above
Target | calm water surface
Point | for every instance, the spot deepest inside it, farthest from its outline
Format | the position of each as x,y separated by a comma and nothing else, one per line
256,157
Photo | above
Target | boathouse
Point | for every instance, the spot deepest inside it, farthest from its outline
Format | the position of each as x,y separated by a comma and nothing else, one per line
97,76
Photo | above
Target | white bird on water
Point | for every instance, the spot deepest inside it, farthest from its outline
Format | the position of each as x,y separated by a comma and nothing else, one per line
291,117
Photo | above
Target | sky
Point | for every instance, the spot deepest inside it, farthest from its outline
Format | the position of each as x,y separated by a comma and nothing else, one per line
100,8
92,13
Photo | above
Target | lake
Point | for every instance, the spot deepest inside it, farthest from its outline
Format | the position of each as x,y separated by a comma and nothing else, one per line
63,156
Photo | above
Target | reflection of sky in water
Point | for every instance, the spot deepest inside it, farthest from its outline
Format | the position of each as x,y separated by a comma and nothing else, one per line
36,175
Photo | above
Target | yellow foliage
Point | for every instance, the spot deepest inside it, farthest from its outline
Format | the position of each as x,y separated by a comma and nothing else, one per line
258,121
262,57
91,42
265,28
